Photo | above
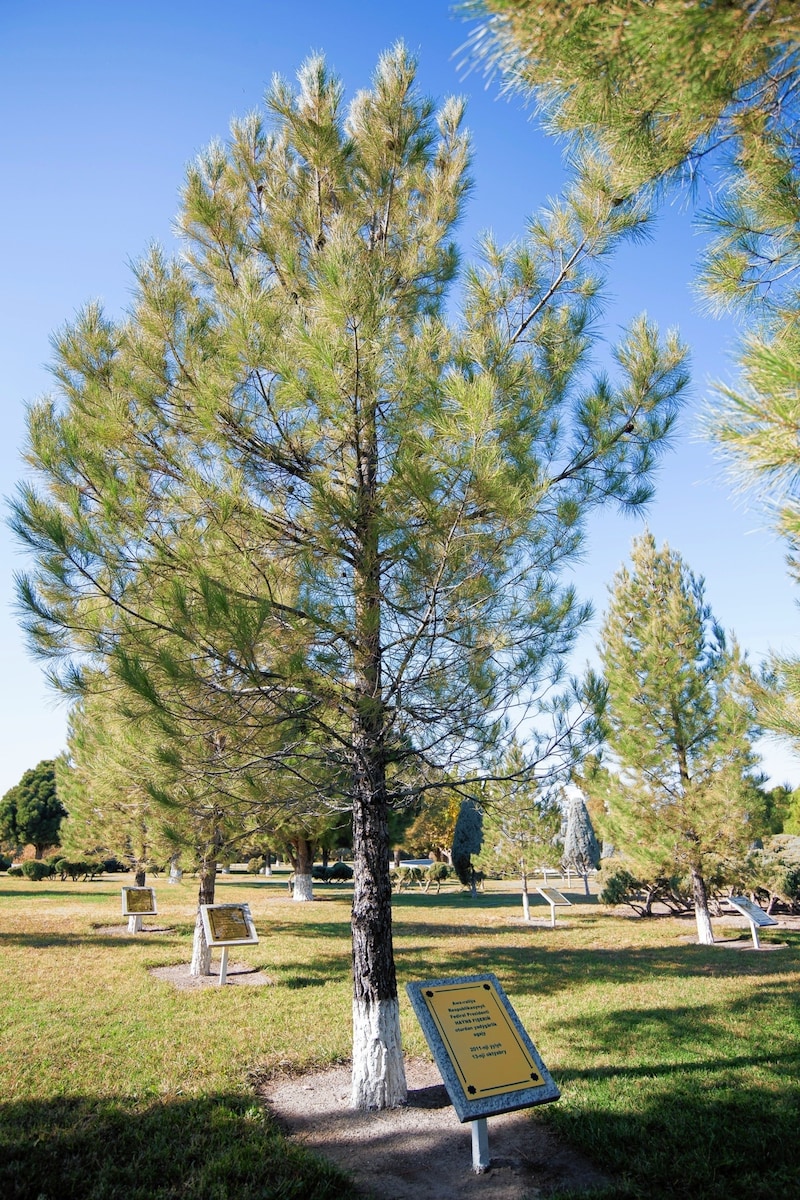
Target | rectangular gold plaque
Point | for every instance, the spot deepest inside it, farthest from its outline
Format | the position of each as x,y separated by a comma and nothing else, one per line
228,924
139,900
481,1040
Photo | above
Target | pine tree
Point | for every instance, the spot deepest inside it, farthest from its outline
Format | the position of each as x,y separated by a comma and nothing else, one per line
521,824
32,812
581,848
679,727
467,841
286,503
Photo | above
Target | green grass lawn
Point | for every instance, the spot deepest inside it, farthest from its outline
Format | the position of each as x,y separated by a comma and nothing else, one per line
678,1064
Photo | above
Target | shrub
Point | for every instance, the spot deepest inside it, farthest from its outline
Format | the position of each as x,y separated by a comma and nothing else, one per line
254,865
15,870
35,869
641,894
79,867
340,871
436,873
333,874
5,862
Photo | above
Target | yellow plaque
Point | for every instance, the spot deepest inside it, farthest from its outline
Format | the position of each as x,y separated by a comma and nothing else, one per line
481,1040
139,900
228,924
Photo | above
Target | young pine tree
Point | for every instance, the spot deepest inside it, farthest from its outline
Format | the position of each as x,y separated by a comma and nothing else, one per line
679,727
520,825
291,504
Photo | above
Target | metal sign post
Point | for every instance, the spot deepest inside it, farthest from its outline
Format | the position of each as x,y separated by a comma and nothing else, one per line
553,898
755,916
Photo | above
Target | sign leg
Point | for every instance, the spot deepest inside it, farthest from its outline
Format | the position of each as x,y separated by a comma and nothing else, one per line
754,931
223,967
480,1146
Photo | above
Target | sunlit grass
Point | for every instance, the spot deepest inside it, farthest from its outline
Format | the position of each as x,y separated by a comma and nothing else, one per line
677,1063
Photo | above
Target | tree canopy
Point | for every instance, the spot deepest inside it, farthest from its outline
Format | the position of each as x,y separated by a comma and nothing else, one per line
673,92
31,812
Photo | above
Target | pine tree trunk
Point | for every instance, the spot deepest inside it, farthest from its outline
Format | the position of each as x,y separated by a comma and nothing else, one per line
379,1079
378,1072
705,934
526,904
201,951
303,889
139,877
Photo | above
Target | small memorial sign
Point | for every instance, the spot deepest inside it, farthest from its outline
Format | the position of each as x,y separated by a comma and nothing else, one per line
753,912
138,902
756,916
553,898
228,925
488,1063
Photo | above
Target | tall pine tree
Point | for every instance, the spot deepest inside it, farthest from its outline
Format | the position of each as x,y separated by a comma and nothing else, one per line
289,502
679,728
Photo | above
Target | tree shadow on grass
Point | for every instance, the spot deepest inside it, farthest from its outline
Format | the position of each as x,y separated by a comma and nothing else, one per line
98,1148
49,940
716,1128
540,966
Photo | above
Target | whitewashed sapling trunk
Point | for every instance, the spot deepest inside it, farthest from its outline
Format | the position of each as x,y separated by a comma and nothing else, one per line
526,904
705,934
201,951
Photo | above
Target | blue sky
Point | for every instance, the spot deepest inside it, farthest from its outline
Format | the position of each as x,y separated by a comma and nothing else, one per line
101,108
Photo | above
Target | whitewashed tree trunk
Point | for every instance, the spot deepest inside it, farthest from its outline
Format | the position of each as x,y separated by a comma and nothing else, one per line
303,887
379,1079
526,904
201,951
705,934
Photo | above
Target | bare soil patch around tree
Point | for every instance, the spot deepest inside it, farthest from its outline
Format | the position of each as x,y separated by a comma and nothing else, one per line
421,1151
238,975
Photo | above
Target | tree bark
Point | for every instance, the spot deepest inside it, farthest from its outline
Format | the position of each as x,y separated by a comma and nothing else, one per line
139,877
378,1072
705,934
526,904
303,862
379,1079
201,951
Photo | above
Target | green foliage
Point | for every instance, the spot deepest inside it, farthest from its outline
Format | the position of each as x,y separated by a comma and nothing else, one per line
621,887
5,862
774,871
36,870
679,726
335,873
663,88
467,840
254,865
521,823
31,812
